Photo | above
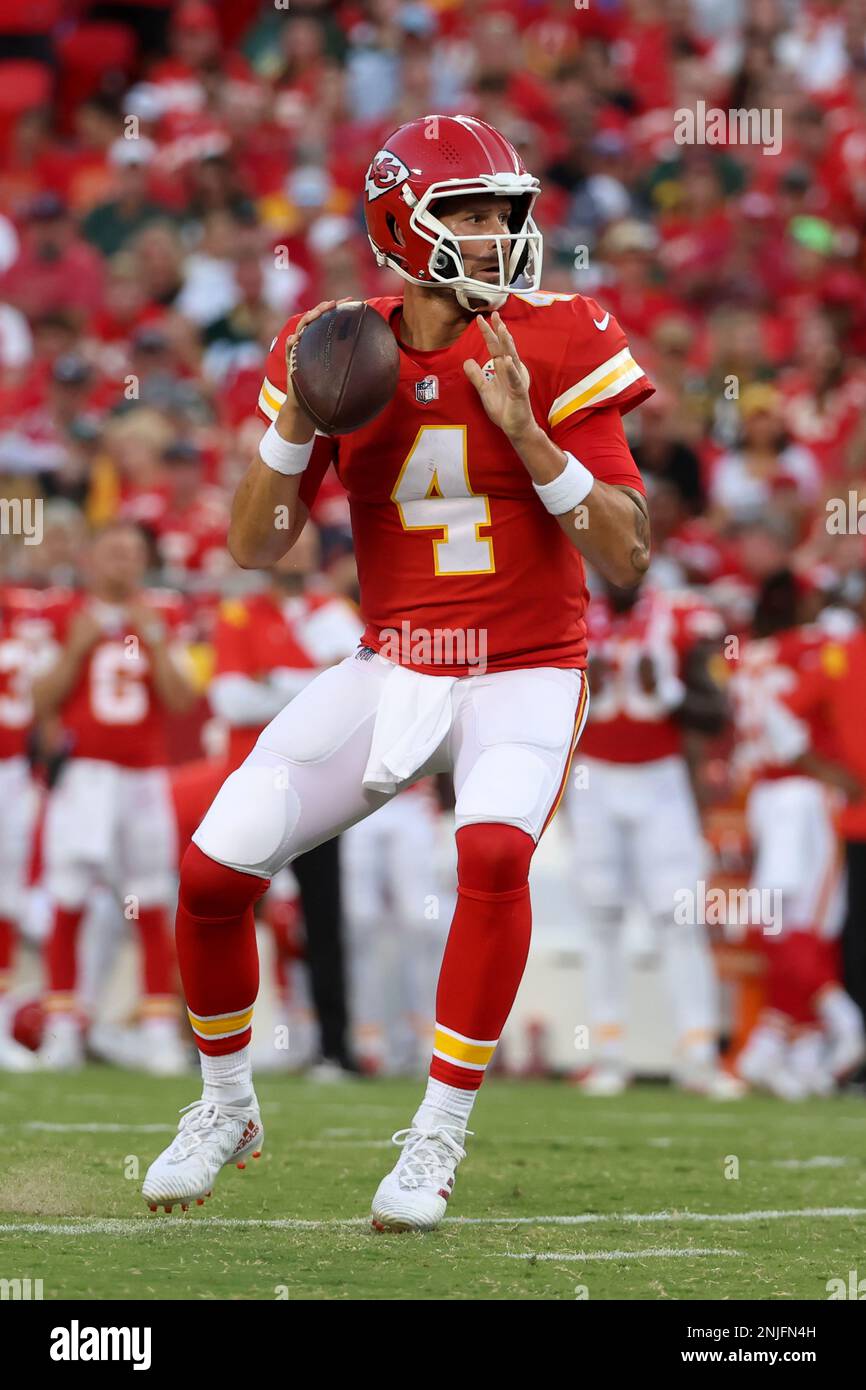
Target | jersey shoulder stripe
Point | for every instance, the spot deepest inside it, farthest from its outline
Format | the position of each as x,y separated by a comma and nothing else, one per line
271,399
604,383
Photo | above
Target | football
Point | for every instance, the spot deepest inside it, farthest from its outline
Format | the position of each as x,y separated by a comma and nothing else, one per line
344,368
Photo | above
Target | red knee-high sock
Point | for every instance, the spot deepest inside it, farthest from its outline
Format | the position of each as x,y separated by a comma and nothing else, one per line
7,945
216,950
157,961
797,970
824,971
61,958
283,916
486,951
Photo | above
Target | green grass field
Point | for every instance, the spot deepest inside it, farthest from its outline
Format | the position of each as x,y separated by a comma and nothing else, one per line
623,1198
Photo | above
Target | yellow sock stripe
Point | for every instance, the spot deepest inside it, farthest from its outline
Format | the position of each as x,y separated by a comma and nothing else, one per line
451,1047
221,1025
603,1031
59,1003
158,1005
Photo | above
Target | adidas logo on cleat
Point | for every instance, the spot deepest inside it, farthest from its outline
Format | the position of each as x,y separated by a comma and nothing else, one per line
251,1129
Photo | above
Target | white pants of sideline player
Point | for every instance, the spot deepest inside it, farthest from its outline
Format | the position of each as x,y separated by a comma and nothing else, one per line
797,852
397,916
112,825
18,800
508,746
637,840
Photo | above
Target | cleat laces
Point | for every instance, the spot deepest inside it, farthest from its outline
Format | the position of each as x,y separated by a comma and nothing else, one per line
429,1155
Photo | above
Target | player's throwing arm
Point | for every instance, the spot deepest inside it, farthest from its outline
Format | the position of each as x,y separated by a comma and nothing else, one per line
267,514
614,536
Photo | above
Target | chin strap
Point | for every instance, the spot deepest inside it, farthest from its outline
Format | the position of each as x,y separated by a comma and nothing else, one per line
477,302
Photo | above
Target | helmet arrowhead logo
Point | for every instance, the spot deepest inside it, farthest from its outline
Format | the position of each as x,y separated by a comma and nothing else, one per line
386,171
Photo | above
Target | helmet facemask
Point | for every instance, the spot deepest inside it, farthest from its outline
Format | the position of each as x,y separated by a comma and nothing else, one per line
519,250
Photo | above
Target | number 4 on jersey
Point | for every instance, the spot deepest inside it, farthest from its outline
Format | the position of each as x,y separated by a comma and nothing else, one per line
432,492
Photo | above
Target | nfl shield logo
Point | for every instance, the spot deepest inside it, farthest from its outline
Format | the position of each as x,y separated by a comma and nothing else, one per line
427,390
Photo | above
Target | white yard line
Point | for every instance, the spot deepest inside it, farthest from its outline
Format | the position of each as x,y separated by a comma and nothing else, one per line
663,1252
819,1161
95,1127
134,1226
91,1127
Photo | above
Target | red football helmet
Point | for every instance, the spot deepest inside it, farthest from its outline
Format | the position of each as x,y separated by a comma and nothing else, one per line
439,157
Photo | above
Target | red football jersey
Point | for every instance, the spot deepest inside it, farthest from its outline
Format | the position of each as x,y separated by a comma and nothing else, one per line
768,671
114,713
256,635
828,694
626,723
26,647
452,544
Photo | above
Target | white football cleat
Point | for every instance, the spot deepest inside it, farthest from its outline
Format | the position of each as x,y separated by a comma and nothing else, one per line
414,1195
14,1057
764,1074
709,1080
113,1043
846,1053
605,1079
159,1052
210,1136
166,1056
807,1062
62,1047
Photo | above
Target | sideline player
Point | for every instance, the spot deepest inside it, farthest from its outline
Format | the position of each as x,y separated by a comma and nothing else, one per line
392,892
24,649
474,495
109,817
799,773
649,680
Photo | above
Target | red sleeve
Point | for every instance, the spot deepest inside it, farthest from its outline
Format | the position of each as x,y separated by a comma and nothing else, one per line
595,370
808,696
271,397
273,391
598,441
232,649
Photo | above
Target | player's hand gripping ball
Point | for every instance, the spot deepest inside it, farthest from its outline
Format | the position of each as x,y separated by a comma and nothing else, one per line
344,367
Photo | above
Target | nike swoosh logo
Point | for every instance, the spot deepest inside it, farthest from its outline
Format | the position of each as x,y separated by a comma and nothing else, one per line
601,324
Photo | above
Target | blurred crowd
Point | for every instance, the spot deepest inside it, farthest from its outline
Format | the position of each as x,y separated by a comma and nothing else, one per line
176,179
186,176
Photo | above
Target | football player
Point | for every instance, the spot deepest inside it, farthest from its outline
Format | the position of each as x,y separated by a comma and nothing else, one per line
650,683
109,817
475,495
797,709
24,648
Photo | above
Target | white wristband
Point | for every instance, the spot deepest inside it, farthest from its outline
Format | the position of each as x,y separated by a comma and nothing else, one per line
281,455
568,490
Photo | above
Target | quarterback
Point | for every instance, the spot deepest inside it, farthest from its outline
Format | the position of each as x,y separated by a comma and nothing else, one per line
475,496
